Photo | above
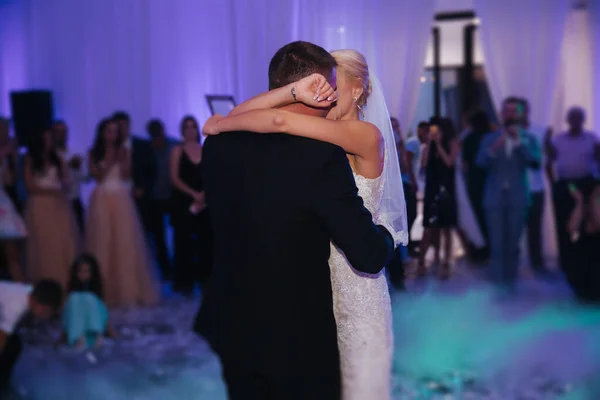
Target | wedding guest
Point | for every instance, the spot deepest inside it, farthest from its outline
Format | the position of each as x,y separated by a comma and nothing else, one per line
12,228
537,187
583,268
410,181
17,300
85,316
507,155
114,234
9,152
475,176
439,204
76,166
54,239
161,194
573,158
143,169
191,220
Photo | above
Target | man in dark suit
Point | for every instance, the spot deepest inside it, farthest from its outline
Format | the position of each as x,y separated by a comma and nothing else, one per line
276,202
161,145
143,168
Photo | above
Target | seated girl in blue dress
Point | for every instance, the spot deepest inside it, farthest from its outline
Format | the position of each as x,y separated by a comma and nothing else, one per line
85,316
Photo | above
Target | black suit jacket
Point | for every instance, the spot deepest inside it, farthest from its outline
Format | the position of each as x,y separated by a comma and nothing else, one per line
144,168
276,201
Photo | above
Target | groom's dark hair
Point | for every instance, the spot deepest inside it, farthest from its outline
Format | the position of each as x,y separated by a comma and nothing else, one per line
298,60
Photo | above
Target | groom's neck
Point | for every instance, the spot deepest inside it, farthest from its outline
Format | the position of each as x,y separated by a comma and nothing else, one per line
300,108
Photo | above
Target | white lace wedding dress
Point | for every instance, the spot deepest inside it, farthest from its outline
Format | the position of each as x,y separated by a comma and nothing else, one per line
363,315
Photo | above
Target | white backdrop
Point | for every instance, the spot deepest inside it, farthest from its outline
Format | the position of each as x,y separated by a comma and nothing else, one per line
521,44
160,58
576,69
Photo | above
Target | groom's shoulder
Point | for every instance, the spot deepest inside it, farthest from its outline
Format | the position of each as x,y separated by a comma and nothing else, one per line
274,144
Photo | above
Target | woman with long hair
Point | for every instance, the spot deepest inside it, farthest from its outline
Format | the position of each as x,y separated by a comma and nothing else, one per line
113,231
53,240
189,215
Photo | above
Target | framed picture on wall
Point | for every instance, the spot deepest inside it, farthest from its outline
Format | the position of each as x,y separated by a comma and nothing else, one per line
220,104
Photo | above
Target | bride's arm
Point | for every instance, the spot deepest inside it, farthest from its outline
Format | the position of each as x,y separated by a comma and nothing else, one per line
272,99
313,90
355,137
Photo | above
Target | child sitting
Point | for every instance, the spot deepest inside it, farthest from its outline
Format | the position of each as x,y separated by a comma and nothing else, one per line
41,301
85,317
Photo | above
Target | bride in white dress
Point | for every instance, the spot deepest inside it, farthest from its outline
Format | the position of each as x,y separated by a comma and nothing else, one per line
360,123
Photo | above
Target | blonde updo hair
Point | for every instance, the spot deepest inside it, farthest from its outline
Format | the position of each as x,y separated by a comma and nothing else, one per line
354,65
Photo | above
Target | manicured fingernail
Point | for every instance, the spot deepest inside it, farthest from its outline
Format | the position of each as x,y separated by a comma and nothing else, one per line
320,98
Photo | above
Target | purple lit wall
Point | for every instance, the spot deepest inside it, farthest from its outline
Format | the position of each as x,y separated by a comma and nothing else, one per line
13,67
159,58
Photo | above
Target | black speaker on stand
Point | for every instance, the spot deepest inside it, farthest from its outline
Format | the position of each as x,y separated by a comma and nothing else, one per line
32,113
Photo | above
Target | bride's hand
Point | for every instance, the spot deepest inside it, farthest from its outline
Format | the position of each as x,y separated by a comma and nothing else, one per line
314,90
211,126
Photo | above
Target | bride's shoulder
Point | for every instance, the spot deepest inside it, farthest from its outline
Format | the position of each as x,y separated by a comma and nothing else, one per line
370,129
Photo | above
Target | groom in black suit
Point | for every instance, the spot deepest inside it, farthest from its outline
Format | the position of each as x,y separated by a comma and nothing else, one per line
276,203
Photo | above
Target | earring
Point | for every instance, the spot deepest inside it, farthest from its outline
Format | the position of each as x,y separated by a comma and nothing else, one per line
357,105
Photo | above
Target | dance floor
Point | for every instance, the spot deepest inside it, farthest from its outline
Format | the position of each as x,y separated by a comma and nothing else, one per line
454,340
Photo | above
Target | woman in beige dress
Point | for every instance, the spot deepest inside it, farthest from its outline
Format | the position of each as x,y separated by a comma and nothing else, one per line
113,230
53,241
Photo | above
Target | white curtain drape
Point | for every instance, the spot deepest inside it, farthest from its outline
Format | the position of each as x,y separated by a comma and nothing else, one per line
576,70
100,56
521,42
160,58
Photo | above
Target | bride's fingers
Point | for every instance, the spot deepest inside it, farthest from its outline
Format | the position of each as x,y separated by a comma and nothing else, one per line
322,89
328,95
320,83
325,93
